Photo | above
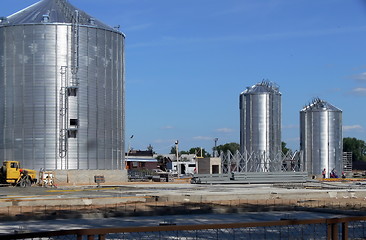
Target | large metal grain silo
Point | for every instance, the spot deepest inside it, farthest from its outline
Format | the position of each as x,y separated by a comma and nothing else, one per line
62,89
321,137
260,126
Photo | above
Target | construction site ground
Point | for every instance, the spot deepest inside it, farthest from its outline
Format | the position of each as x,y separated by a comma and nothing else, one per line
148,199
316,193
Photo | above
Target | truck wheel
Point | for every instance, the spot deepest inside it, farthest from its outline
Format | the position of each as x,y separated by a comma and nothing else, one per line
28,182
25,182
22,183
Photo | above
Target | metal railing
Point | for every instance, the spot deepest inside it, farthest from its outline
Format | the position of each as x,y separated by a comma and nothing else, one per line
251,177
261,162
332,229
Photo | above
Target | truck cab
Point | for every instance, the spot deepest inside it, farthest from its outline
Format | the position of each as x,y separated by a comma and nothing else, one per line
11,173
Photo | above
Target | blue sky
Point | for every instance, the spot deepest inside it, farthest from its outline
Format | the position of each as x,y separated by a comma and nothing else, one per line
187,61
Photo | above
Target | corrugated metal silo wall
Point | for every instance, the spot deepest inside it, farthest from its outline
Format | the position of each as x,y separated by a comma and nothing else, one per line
321,140
260,123
30,60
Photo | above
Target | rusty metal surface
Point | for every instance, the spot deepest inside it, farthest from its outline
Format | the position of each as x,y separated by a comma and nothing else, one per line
352,227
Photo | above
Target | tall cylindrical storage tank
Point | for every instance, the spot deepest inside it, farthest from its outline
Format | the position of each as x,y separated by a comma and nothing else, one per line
62,89
260,124
321,137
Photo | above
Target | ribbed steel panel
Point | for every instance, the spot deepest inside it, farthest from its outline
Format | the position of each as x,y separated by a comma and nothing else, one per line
321,137
31,56
260,121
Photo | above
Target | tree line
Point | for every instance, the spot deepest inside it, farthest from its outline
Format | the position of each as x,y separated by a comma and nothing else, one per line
354,145
357,147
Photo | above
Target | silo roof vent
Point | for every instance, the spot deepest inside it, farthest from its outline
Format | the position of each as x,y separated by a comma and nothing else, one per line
92,21
3,20
45,18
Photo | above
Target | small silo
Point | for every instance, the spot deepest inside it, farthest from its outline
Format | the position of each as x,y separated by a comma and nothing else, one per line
321,137
260,126
62,89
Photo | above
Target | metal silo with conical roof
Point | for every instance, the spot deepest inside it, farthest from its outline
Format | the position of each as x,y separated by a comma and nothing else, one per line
260,126
321,137
62,89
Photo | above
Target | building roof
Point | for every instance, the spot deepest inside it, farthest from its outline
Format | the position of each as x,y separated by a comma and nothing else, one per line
139,153
320,105
140,159
263,87
53,11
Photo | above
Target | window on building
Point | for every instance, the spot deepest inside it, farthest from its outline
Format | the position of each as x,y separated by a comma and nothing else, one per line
72,133
72,91
74,122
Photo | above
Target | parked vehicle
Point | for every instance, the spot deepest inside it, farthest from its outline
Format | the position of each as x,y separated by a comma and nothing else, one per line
12,173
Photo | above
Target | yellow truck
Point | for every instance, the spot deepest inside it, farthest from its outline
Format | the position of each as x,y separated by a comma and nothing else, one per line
12,173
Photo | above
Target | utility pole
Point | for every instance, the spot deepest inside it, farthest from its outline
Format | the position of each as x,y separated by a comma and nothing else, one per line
128,149
214,154
177,154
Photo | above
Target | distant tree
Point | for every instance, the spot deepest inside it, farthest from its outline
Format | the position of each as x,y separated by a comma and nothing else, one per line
357,147
198,150
173,150
232,147
285,150
159,157
150,148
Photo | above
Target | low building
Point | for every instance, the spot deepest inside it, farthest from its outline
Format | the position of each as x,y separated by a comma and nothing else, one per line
183,168
209,165
141,160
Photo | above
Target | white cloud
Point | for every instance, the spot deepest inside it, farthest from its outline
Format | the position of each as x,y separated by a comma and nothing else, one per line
352,128
202,138
159,141
290,126
361,76
167,127
297,139
359,91
174,40
224,130
137,27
